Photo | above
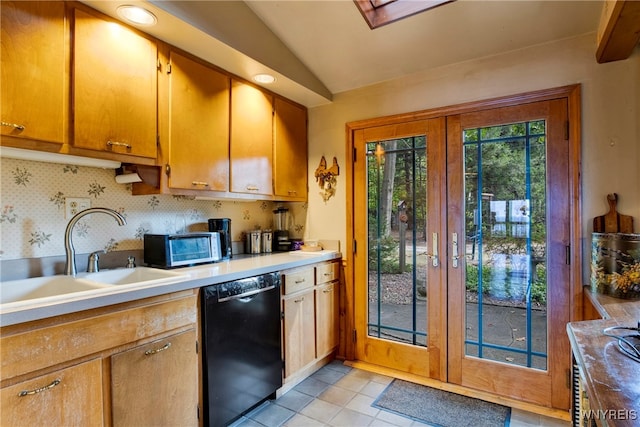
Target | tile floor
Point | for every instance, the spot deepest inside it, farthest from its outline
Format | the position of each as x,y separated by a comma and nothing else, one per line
337,395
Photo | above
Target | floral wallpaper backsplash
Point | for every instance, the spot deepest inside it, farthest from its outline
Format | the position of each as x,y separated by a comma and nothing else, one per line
33,223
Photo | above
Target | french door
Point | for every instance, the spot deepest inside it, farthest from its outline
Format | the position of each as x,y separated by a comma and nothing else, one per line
462,226
401,307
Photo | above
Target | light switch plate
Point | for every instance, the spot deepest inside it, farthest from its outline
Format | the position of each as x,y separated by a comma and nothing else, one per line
73,205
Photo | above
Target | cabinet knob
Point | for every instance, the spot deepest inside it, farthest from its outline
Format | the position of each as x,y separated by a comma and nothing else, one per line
13,125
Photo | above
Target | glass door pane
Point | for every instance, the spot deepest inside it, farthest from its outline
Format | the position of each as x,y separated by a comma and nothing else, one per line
396,225
505,243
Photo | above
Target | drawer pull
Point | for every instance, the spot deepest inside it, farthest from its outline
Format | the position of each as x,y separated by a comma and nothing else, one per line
118,144
252,188
327,274
12,125
294,192
201,183
300,281
157,350
327,291
41,389
299,300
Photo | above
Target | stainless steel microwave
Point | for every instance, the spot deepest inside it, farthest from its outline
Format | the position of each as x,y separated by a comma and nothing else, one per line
176,250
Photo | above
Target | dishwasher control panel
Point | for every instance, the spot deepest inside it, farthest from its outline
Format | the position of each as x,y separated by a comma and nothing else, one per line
247,286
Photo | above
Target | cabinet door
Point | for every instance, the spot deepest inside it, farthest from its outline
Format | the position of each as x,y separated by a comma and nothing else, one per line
34,85
326,318
299,331
164,371
68,397
251,140
199,126
114,87
290,148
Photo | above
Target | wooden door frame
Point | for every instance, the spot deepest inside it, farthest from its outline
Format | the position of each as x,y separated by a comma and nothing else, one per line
573,95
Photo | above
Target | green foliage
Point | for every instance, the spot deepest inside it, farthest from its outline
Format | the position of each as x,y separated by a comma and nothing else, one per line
472,278
539,286
388,261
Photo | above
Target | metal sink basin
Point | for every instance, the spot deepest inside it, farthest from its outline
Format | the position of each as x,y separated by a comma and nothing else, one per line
131,276
42,287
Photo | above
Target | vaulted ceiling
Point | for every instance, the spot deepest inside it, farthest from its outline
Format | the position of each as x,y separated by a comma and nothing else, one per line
318,48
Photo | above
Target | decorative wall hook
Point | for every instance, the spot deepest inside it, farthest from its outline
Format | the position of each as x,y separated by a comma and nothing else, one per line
326,178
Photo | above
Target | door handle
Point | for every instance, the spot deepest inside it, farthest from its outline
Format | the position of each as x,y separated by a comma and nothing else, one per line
434,249
454,250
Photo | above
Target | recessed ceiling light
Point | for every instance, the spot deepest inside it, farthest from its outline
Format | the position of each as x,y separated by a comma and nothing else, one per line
264,78
137,15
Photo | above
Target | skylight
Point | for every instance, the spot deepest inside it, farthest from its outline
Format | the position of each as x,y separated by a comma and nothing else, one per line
382,12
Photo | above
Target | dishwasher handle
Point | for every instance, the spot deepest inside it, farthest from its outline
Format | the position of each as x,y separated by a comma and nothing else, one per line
244,297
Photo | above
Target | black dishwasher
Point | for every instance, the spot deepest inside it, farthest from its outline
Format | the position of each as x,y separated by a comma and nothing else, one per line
242,362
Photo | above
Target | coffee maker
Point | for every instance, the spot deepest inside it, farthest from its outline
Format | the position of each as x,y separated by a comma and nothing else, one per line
281,240
222,226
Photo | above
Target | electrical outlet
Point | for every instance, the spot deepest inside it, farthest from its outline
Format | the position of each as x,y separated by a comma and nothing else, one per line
73,205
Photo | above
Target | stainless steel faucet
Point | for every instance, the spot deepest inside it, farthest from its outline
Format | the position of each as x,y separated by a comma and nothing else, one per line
70,265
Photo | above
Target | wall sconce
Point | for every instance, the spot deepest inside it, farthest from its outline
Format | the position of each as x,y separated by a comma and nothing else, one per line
326,178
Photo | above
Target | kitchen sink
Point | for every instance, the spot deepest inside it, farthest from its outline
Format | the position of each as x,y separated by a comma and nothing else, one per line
53,288
130,276
42,287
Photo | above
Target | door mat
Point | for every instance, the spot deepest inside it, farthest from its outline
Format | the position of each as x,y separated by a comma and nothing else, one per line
440,408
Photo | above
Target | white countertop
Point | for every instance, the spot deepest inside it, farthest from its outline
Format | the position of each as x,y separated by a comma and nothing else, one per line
191,277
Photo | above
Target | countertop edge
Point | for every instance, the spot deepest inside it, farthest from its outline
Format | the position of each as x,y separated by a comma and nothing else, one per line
198,276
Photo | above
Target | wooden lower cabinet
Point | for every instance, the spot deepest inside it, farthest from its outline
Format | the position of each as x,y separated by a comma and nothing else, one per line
326,318
156,384
129,364
310,305
67,397
299,331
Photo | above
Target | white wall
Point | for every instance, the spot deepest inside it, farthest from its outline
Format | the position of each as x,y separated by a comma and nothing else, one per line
610,120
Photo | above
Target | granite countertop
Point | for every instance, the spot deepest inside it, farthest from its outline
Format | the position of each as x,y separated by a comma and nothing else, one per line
612,378
191,278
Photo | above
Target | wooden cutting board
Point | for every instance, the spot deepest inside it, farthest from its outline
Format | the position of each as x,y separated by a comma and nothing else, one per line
612,221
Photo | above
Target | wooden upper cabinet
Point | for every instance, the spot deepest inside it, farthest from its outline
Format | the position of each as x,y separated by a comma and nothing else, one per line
251,140
115,75
34,81
290,151
199,126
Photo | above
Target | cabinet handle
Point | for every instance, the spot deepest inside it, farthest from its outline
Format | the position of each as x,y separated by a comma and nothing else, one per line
301,281
327,291
292,192
201,183
252,188
118,144
41,389
157,350
12,125
327,274
299,300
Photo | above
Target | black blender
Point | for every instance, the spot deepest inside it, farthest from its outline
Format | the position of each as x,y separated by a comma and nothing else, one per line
281,240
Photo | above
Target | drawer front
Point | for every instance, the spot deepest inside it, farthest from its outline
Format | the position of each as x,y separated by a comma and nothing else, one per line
48,346
297,280
327,272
